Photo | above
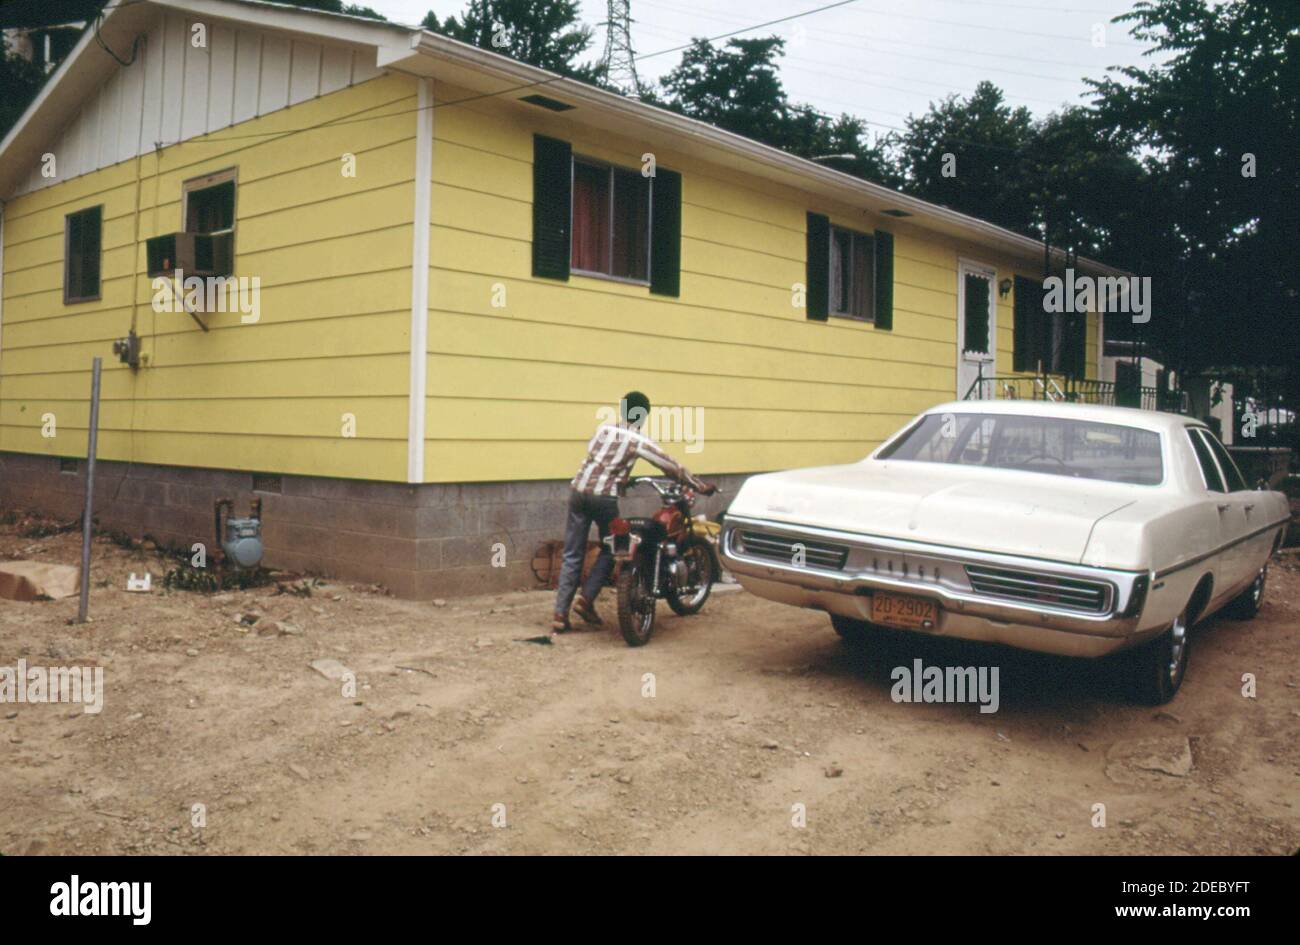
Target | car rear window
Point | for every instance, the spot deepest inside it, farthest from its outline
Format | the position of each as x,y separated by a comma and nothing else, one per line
1081,449
1236,481
1213,481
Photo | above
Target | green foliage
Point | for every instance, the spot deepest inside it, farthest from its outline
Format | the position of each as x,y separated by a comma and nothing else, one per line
738,87
543,33
337,6
971,154
20,80
1229,88
185,577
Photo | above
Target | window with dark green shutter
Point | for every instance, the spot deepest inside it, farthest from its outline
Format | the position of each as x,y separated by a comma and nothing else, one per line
552,205
594,218
82,238
850,274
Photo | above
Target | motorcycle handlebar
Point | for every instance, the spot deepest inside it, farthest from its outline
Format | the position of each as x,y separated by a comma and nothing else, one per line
662,484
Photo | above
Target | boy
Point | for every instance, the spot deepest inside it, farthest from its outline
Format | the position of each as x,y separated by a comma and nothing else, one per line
593,497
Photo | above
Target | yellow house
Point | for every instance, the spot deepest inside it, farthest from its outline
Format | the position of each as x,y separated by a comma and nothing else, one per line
436,267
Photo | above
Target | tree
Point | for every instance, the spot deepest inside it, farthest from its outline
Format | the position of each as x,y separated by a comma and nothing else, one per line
20,80
970,154
1217,122
737,87
543,33
338,6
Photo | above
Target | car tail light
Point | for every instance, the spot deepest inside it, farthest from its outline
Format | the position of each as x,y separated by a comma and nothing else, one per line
1138,598
620,526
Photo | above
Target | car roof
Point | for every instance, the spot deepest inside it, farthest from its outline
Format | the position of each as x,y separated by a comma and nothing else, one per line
1095,413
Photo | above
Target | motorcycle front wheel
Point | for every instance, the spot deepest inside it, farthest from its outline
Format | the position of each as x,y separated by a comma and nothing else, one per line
636,601
702,571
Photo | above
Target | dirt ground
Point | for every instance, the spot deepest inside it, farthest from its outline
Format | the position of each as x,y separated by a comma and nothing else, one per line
756,708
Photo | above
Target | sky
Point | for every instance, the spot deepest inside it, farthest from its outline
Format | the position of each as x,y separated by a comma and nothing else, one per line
882,60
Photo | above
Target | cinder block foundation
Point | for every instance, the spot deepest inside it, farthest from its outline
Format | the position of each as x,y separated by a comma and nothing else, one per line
419,541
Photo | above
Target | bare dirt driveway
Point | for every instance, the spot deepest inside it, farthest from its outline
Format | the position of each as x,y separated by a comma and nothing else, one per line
456,727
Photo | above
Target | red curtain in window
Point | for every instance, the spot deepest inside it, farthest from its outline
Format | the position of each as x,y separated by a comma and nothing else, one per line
591,236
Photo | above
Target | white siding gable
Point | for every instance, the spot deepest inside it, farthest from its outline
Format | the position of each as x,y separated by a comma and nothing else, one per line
174,91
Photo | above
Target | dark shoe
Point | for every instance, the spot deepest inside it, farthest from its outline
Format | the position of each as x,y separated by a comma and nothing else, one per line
584,609
560,624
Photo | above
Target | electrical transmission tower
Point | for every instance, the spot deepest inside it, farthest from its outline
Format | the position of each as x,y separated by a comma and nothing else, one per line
619,60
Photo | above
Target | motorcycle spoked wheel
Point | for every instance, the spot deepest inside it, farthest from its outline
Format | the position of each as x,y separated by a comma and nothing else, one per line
636,601
702,569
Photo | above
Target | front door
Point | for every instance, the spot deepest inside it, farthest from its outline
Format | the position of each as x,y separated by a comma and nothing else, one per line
977,329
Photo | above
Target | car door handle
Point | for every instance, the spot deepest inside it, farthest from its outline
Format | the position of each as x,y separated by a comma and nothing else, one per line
1249,506
1223,506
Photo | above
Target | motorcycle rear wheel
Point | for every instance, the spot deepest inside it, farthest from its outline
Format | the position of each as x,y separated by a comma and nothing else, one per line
636,603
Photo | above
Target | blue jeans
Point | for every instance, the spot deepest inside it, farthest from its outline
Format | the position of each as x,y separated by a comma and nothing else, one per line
584,509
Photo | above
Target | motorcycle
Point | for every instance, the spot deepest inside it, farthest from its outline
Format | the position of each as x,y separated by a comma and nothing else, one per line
667,555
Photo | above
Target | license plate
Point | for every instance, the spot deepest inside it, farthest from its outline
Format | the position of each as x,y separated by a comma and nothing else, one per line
907,613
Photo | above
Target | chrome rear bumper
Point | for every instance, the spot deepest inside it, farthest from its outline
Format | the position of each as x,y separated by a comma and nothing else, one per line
1048,606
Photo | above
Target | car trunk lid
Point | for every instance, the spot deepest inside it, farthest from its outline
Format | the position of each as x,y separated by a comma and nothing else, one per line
1002,511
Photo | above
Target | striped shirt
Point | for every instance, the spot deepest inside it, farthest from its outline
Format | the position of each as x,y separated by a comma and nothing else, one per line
611,454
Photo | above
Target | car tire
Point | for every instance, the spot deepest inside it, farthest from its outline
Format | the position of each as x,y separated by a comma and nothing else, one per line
855,633
1247,604
1160,666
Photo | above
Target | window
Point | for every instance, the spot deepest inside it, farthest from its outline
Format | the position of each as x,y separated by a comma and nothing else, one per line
81,245
593,218
852,272
1236,481
977,297
1077,448
210,208
849,274
1204,459
611,221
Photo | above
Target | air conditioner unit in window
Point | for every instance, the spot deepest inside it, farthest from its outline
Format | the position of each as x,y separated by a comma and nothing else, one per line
191,253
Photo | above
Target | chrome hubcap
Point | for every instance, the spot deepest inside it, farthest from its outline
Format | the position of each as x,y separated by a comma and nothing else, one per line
1177,648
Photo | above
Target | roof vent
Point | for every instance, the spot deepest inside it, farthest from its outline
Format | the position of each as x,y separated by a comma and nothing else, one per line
541,101
895,213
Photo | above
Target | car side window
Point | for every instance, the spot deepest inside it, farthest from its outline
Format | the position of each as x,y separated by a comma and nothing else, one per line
1236,481
1209,470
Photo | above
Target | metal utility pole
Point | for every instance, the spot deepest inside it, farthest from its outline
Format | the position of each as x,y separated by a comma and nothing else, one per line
86,515
619,59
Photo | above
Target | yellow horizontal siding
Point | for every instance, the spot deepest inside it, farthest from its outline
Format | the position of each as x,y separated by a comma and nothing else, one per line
333,254
513,391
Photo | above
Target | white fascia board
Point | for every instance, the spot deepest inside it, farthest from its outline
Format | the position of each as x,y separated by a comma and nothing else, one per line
420,282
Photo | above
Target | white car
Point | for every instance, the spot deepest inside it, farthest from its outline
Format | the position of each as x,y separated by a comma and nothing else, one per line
1063,528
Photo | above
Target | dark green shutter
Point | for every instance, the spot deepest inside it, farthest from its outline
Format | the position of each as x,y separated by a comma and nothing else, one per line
91,247
818,271
884,280
1079,368
1028,310
666,233
552,198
